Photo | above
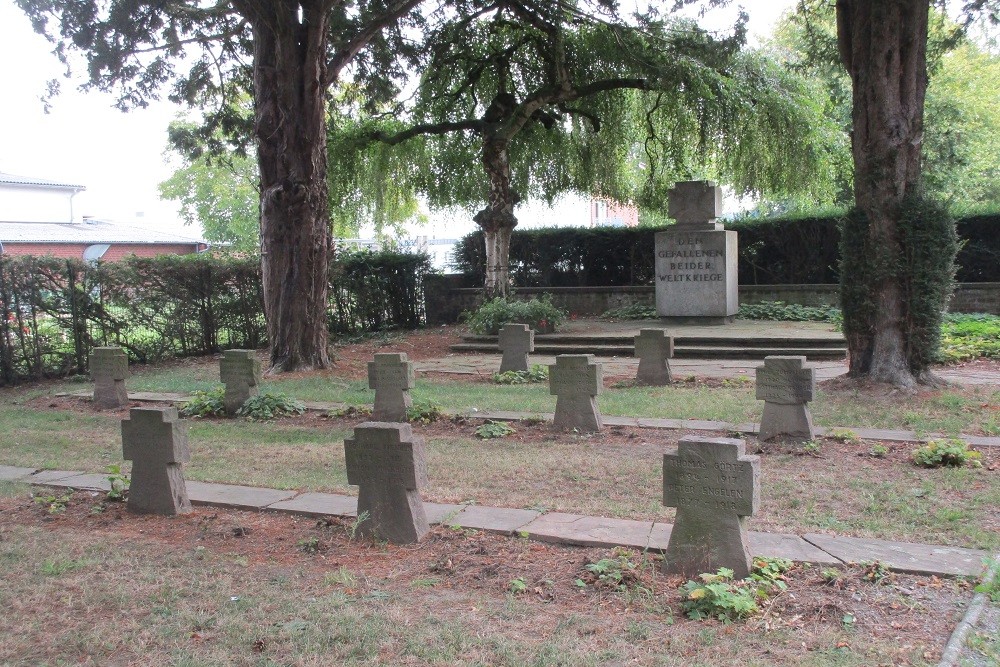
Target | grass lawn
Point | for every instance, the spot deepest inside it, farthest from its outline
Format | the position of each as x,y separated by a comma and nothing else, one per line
96,585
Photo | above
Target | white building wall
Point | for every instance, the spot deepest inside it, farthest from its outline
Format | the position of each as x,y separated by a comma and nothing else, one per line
32,203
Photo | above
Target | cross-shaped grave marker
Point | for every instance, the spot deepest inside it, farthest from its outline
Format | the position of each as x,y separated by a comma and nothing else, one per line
576,380
157,444
786,385
654,347
387,464
714,487
391,376
109,368
516,341
240,372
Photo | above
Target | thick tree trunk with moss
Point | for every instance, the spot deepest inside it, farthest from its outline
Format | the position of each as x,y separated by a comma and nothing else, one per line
883,44
497,219
290,54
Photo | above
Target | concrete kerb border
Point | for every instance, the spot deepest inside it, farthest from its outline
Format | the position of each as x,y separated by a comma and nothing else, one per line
956,643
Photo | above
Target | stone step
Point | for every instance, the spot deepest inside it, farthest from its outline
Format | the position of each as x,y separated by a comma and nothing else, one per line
683,351
680,341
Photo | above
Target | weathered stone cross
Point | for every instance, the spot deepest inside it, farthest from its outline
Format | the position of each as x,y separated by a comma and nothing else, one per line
109,368
786,385
516,341
392,378
654,347
714,487
576,380
240,372
156,443
387,464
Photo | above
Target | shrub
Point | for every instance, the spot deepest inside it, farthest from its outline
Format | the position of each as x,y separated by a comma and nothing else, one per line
950,452
424,412
494,429
788,312
971,336
537,373
540,314
268,406
205,404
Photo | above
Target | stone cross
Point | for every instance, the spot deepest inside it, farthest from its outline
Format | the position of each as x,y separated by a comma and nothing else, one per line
695,205
576,380
391,376
654,347
516,341
240,372
157,444
387,464
786,384
109,368
714,488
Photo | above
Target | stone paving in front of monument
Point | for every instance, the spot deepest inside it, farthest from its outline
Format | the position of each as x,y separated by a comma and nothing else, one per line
557,527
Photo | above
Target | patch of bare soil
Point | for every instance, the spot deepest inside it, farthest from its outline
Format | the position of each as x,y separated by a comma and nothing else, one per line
895,620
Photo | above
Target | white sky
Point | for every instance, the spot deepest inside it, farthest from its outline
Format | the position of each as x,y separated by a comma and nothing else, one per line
119,157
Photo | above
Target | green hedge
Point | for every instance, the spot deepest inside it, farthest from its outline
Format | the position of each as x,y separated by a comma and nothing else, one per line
776,251
54,311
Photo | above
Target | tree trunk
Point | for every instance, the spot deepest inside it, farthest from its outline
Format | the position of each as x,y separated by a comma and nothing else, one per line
883,44
497,219
290,40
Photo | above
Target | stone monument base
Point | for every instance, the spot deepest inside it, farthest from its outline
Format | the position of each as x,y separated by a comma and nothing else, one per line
700,321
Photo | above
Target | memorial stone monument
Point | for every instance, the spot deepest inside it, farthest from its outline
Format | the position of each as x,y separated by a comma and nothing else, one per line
109,368
786,385
157,444
240,372
516,341
714,487
654,347
576,380
387,463
391,376
696,260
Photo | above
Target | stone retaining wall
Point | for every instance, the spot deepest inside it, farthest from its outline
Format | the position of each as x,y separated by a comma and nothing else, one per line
447,298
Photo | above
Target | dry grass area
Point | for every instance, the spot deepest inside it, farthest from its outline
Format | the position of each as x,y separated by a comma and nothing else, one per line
93,585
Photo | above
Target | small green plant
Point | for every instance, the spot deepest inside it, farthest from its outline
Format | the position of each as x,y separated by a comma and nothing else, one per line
537,373
540,314
718,596
351,411
831,576
517,586
205,404
494,429
424,412
951,452
990,586
878,451
811,447
843,435
119,482
352,530
618,573
54,504
309,545
737,381
533,420
268,406
875,572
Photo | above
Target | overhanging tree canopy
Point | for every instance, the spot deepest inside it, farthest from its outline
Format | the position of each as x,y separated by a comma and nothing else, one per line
549,100
289,53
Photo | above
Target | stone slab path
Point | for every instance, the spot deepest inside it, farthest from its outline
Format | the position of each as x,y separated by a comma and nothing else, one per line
557,527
